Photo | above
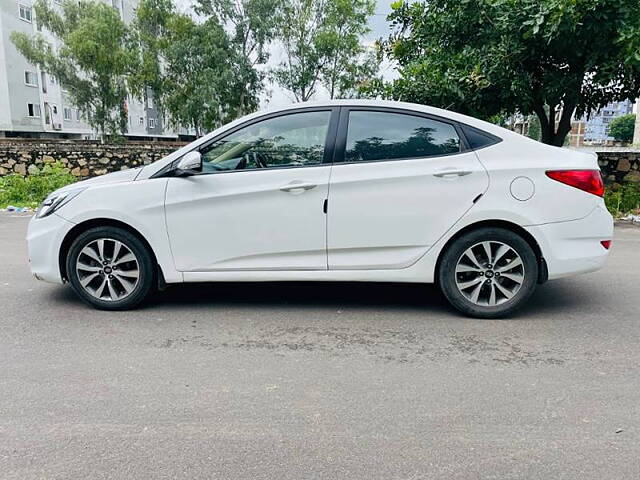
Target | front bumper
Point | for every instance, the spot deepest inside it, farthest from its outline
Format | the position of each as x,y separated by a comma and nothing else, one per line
574,247
44,239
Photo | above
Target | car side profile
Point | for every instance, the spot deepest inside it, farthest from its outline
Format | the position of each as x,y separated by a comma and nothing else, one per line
349,190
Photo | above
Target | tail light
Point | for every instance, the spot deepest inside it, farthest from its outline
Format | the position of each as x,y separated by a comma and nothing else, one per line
606,244
588,180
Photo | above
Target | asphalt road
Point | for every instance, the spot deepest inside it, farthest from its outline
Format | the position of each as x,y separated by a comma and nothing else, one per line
293,381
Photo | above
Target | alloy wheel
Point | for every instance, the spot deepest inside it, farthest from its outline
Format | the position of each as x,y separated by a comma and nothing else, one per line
107,269
489,273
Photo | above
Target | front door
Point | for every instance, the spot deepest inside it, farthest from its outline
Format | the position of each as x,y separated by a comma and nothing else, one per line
258,204
400,181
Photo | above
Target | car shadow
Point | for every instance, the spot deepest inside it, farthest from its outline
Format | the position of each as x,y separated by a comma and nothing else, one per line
301,294
557,297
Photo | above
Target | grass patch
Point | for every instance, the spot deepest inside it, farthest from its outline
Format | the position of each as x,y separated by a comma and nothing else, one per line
30,191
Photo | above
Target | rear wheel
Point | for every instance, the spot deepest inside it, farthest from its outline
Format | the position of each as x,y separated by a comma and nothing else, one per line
110,268
488,273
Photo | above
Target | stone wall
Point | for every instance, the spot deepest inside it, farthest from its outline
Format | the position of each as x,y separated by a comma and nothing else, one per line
83,158
88,158
620,166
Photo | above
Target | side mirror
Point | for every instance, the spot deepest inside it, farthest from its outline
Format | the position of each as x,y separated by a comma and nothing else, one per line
189,164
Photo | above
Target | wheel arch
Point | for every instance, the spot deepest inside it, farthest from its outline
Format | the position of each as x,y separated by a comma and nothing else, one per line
507,225
102,222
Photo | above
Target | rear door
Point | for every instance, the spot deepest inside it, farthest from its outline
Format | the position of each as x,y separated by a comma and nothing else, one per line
400,180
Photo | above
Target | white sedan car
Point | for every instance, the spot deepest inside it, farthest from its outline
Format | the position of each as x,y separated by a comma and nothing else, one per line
337,191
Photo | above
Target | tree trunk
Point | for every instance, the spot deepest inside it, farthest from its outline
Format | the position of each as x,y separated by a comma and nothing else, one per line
553,134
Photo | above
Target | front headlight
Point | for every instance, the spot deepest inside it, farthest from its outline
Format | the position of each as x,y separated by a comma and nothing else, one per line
55,201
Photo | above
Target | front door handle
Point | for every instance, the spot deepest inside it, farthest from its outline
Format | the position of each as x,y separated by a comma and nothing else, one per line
297,187
452,173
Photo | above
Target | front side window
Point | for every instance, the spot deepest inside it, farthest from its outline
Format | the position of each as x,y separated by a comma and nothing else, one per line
294,140
376,136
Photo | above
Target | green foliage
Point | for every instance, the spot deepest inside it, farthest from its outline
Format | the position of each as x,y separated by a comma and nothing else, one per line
348,65
30,191
622,199
149,34
622,128
200,81
92,61
202,73
487,57
253,26
321,40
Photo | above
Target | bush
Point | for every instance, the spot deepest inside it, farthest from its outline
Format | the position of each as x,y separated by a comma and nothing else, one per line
622,199
30,191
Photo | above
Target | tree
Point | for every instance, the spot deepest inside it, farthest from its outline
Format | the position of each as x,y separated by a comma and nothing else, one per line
92,62
253,26
348,63
553,58
201,86
321,41
622,128
150,32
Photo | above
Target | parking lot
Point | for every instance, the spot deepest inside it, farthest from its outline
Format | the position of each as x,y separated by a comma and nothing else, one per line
292,381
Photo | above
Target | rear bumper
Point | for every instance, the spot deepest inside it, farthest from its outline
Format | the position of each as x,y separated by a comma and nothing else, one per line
44,239
574,247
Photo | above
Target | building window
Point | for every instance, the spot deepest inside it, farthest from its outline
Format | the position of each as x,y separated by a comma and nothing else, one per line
77,115
26,13
34,110
152,123
141,121
149,101
43,80
54,109
30,78
67,113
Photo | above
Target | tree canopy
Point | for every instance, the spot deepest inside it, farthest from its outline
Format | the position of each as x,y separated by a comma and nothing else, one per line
545,57
322,45
622,128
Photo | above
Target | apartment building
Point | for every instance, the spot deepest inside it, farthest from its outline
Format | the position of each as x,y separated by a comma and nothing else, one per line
34,104
596,130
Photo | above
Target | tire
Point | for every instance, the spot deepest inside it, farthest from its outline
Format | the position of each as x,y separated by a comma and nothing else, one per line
478,288
109,268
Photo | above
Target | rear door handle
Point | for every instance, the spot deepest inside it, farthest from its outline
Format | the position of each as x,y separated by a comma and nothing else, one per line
452,173
297,187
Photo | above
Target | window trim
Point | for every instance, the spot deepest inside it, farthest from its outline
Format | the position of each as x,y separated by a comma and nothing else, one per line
341,140
34,110
25,7
329,143
34,74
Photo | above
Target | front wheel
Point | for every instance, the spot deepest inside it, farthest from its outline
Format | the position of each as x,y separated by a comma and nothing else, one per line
488,273
110,268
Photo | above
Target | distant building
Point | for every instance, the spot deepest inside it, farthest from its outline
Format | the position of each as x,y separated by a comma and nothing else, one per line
597,126
33,103
576,135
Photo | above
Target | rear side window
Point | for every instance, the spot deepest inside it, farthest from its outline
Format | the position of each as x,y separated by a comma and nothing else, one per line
477,138
374,136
